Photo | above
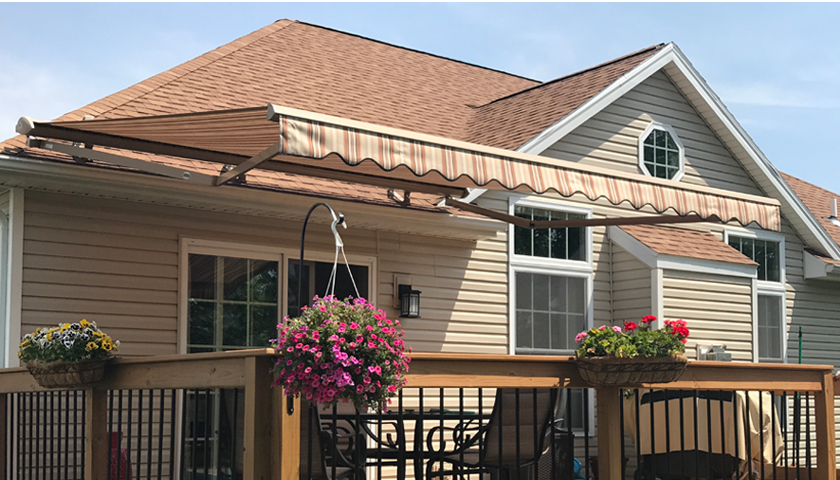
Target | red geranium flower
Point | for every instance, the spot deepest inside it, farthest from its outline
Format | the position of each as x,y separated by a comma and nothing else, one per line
630,326
648,319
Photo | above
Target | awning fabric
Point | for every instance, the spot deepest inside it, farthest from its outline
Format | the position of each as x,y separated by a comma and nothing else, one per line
315,144
312,139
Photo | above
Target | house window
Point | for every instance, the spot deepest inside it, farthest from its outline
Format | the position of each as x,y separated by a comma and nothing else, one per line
232,303
560,243
771,328
661,153
550,311
316,276
764,252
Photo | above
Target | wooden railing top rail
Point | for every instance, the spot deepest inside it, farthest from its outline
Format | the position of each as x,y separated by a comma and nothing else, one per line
197,370
452,370
226,370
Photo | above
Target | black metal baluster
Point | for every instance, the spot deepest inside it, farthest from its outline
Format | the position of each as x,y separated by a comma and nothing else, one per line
172,433
419,457
761,429
696,399
379,443
333,466
401,442
682,433
149,431
653,433
773,414
49,419
500,394
207,430
110,426
84,420
586,431
233,435
460,422
748,431
638,432
709,429
535,423
482,441
735,425
139,432
161,407
21,440
667,431
570,438
785,436
722,427
130,394
808,434
194,436
518,434
67,433
442,441
118,450
553,442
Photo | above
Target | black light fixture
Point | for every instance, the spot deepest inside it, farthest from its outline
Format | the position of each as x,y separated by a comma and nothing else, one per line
409,302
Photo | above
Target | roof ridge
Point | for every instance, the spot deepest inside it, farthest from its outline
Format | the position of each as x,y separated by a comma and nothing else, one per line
244,41
579,72
419,51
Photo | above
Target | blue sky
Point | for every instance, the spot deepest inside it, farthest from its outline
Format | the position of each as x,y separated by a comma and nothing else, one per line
775,66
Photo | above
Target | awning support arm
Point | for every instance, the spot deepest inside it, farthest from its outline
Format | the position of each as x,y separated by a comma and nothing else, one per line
249,164
141,165
585,222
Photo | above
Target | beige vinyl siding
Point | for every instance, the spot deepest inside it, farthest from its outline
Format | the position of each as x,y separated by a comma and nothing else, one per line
610,138
718,309
631,295
116,263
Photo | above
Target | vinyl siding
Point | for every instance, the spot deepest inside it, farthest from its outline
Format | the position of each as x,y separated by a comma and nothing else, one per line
631,296
610,138
718,309
116,263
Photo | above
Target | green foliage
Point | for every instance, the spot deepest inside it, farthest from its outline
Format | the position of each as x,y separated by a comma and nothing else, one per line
636,340
69,342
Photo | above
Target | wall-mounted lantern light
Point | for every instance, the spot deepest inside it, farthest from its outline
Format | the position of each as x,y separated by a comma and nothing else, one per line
409,302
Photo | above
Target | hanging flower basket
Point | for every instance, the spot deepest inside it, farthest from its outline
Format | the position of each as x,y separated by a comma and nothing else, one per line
610,356
63,374
616,371
70,355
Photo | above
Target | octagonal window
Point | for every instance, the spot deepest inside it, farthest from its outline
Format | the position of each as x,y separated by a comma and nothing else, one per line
661,153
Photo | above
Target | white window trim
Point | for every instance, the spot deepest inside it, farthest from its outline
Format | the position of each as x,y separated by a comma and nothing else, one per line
641,153
784,333
14,276
548,266
282,255
767,236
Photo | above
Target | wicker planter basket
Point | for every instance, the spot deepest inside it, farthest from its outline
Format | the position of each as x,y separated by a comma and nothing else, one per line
67,374
629,372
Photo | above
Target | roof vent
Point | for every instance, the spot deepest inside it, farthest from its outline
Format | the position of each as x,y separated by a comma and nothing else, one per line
833,218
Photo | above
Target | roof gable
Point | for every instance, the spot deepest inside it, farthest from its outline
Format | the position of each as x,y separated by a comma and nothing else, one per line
610,138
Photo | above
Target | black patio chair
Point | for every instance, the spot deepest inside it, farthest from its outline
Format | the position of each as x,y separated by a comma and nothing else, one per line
334,449
477,448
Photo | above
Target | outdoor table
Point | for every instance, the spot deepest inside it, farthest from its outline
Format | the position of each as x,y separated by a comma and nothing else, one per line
397,450
727,434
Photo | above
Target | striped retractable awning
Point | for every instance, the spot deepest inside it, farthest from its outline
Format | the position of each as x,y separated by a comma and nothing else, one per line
456,164
319,145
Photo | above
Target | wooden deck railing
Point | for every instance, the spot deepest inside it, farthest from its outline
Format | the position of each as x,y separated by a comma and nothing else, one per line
272,437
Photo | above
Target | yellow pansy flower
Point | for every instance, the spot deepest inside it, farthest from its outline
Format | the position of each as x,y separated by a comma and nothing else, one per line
91,346
65,327
84,323
107,346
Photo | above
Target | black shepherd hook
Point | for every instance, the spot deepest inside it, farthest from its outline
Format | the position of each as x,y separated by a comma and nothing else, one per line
338,219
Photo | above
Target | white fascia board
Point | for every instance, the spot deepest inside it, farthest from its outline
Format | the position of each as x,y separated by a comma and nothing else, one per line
660,261
672,54
816,268
57,177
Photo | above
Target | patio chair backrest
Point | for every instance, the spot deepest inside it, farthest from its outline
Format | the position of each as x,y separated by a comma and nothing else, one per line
536,410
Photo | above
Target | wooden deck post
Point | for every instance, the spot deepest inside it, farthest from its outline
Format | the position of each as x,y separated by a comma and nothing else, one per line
96,435
824,423
290,439
609,433
257,458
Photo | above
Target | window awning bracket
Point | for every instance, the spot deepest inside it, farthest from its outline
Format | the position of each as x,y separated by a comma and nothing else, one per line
249,164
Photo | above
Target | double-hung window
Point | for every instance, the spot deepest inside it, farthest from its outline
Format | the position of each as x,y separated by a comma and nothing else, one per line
767,250
551,280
